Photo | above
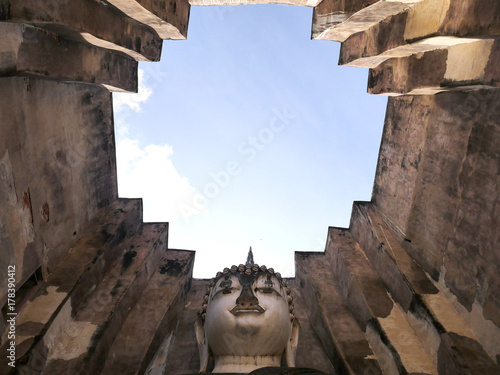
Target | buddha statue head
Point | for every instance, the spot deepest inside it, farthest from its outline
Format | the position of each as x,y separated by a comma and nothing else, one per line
246,321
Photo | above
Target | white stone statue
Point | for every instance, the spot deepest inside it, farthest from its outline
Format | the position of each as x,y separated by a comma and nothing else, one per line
247,321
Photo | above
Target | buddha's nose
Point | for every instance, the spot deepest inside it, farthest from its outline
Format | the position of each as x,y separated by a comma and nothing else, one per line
247,298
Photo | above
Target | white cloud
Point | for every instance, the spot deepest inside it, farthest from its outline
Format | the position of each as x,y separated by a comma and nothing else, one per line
148,172
133,101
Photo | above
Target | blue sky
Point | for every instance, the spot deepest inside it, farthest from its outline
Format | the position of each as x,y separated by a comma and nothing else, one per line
248,134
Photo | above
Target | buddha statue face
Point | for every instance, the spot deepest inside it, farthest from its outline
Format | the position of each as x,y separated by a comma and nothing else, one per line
247,321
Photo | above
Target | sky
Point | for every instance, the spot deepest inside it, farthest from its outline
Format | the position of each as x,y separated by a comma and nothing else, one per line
248,133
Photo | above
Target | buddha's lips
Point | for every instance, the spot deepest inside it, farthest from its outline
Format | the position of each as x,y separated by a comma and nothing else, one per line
244,310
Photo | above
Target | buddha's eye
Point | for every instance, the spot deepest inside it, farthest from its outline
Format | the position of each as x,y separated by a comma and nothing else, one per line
227,290
265,290
268,283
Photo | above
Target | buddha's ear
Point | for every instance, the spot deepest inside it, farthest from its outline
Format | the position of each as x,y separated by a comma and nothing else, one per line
291,346
199,327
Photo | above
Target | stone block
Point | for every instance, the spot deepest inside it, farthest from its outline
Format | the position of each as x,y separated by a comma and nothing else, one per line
102,25
154,317
38,53
331,318
329,13
68,288
90,330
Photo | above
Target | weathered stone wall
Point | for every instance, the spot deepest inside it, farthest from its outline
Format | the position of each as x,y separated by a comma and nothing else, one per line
57,169
437,185
438,181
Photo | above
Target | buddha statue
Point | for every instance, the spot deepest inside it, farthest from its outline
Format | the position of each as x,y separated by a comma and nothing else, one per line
247,323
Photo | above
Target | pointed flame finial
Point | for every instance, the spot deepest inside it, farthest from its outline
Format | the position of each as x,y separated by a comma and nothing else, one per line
250,258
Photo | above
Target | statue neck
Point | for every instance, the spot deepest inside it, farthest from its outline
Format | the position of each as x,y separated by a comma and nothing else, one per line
242,364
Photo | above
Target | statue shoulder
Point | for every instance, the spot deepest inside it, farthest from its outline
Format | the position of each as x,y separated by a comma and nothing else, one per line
278,371
286,371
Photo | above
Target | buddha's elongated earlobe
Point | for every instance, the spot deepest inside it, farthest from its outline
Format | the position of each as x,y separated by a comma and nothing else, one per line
201,339
291,346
